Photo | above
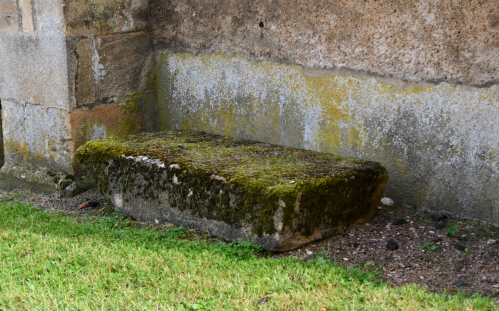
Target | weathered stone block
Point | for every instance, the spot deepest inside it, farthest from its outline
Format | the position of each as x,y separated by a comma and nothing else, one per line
85,81
105,16
36,135
8,16
278,197
126,59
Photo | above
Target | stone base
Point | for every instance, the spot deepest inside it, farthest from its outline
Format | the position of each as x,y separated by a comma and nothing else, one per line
278,197
42,180
13,177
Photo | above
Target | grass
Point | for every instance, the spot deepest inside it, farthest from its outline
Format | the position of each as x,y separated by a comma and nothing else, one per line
50,262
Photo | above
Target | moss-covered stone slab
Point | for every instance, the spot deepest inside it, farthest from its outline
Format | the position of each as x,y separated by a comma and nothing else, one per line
278,197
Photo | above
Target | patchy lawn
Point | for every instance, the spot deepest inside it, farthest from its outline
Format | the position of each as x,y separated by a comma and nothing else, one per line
52,262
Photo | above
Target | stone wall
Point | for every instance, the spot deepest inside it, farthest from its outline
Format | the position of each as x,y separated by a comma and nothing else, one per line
412,84
70,71
110,62
454,41
33,84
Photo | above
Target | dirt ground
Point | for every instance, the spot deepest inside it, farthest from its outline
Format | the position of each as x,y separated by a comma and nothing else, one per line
443,254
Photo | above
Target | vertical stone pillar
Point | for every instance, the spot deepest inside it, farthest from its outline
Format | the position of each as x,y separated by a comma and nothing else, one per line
26,16
34,93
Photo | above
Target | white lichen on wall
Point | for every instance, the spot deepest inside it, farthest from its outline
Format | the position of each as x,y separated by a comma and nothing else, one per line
439,142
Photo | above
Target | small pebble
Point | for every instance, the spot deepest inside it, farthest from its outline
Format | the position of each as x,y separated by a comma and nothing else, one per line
491,242
387,201
458,283
431,232
392,245
439,225
399,221
345,259
92,203
309,252
439,239
439,217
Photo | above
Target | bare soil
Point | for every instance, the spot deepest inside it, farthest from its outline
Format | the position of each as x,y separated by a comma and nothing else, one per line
461,256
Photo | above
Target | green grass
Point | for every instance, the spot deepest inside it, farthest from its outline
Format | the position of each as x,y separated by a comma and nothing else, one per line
50,262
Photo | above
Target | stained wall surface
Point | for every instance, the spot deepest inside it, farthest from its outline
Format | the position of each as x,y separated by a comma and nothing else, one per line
110,62
446,40
33,83
411,84
61,59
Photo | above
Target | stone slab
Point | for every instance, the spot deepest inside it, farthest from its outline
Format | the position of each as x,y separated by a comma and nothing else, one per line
278,197
42,180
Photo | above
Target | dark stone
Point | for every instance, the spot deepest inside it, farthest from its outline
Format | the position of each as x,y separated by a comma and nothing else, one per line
439,239
459,247
93,203
439,224
458,283
439,217
392,245
399,221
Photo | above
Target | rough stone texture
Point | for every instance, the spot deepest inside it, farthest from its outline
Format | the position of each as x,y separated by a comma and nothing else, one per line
9,20
85,82
455,41
439,143
279,197
105,16
126,60
33,67
26,16
36,179
54,59
118,119
34,95
36,135
2,152
105,67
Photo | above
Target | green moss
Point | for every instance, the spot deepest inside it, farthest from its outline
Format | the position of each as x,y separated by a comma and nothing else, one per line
261,175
